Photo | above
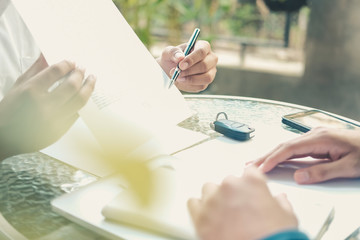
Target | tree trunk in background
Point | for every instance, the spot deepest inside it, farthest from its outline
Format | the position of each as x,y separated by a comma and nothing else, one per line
331,79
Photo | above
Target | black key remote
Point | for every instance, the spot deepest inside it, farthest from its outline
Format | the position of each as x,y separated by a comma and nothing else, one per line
233,129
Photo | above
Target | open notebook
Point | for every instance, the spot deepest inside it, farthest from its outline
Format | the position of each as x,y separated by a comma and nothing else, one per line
116,213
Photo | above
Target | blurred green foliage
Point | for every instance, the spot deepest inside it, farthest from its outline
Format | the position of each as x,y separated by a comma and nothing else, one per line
172,18
140,15
245,19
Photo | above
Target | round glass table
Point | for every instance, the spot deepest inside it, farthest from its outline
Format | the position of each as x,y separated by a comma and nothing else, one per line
29,182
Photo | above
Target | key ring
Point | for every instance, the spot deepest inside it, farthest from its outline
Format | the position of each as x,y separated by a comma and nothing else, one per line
220,113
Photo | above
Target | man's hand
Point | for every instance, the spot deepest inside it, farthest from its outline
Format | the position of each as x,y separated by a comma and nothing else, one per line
341,149
32,117
240,208
198,68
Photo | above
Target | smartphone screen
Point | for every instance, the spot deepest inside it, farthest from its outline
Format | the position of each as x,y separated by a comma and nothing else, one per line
307,120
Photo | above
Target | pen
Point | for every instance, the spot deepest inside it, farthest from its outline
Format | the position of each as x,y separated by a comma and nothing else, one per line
188,48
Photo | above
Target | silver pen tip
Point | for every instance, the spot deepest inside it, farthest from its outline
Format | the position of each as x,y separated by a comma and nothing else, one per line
171,83
174,77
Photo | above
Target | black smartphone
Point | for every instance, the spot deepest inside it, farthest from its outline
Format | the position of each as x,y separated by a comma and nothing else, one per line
306,120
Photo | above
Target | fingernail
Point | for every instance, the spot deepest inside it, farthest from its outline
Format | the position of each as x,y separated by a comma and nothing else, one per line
302,176
93,77
71,62
82,69
184,65
178,55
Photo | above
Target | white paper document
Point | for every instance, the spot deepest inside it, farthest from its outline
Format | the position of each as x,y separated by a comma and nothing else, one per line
131,103
96,36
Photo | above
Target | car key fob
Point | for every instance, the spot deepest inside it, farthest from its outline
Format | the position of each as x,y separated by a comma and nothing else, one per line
232,129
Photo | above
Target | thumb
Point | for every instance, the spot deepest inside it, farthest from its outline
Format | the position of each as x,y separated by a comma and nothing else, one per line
174,54
325,171
39,65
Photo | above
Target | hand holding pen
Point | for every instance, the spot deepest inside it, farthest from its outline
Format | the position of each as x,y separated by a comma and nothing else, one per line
189,46
198,68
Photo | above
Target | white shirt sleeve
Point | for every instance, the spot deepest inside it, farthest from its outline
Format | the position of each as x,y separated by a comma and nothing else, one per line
18,50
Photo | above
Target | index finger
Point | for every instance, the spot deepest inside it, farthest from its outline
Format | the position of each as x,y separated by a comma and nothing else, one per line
260,160
306,145
200,51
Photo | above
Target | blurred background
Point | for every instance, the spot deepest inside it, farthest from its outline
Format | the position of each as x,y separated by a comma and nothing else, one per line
299,51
